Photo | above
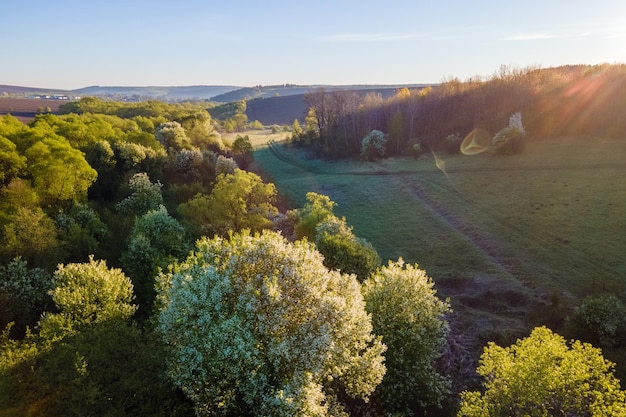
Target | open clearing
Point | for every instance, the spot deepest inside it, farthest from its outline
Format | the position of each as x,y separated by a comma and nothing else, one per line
258,138
509,239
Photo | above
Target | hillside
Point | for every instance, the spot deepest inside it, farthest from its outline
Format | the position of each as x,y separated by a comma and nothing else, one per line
259,92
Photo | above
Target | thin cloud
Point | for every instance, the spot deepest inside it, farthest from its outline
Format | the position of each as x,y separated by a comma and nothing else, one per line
367,37
530,37
606,33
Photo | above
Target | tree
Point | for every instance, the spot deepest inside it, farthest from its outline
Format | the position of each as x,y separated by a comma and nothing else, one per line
409,316
156,241
23,295
87,294
32,235
173,137
145,195
598,319
11,163
60,173
374,145
343,251
316,210
296,132
243,152
87,359
542,375
258,326
238,201
397,130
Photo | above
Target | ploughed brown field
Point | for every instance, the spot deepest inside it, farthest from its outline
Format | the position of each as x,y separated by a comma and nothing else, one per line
25,109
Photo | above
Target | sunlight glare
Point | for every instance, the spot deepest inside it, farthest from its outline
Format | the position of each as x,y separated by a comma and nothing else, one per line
477,141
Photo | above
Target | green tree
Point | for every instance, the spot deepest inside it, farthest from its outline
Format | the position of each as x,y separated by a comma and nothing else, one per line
156,241
258,326
145,195
87,294
598,319
173,137
32,235
87,359
297,134
243,152
316,210
60,173
409,316
23,295
343,251
396,131
11,162
542,375
238,201
374,145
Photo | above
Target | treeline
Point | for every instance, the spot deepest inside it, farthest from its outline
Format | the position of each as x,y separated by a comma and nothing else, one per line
569,100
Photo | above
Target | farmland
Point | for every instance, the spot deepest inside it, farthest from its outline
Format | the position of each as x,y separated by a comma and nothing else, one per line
25,109
510,239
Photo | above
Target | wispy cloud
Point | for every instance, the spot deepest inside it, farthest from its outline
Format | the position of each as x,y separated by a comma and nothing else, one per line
605,33
530,36
367,37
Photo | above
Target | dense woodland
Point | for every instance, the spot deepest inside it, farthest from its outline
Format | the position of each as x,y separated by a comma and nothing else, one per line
554,102
110,308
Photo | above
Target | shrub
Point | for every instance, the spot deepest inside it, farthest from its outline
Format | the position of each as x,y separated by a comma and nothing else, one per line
374,145
598,319
452,144
510,140
344,251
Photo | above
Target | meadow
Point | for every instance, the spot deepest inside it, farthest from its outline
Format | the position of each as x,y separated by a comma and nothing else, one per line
512,240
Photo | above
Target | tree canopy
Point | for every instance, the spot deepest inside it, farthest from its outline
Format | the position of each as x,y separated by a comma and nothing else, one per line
543,375
258,326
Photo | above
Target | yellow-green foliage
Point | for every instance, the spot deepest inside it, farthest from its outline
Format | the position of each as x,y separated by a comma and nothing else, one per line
543,375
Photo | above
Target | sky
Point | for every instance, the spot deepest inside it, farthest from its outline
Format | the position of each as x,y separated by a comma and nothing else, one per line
69,44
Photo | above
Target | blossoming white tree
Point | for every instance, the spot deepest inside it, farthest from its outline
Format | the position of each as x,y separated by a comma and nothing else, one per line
258,326
410,317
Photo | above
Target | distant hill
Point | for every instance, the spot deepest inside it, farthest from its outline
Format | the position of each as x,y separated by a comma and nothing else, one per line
282,109
217,93
26,91
258,92
277,110
194,92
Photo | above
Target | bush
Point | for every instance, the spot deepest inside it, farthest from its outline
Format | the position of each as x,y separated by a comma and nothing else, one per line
344,251
452,144
510,140
256,125
374,145
598,319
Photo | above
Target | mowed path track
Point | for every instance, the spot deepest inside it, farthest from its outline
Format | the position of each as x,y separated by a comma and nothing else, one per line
464,215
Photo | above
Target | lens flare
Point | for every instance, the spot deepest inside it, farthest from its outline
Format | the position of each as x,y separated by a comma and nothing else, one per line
440,163
477,141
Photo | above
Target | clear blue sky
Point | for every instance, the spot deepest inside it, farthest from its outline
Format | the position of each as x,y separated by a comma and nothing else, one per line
76,43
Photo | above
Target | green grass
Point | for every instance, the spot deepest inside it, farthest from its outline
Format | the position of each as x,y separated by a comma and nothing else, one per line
503,236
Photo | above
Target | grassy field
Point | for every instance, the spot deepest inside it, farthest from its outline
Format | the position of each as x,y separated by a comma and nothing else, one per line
510,239
258,138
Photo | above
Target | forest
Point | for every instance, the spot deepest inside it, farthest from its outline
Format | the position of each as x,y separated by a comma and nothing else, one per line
149,267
